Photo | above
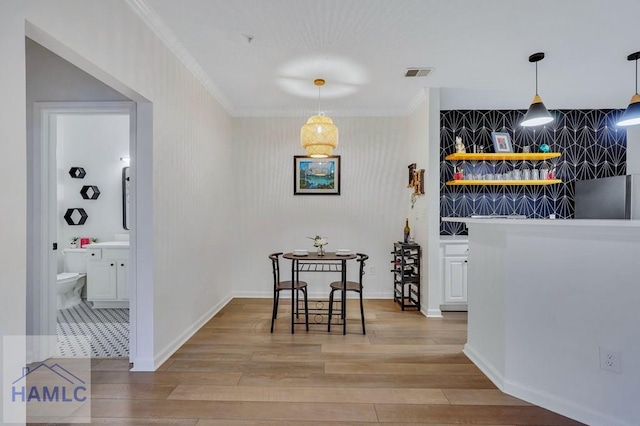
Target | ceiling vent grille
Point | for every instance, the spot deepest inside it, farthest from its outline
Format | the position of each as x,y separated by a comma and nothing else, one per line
418,72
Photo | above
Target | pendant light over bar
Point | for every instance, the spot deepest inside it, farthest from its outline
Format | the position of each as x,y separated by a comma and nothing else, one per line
537,115
632,114
319,136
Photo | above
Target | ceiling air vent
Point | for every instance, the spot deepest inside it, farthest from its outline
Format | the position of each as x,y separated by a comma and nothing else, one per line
418,72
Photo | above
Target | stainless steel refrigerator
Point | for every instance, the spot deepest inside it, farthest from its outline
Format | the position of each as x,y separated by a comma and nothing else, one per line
616,197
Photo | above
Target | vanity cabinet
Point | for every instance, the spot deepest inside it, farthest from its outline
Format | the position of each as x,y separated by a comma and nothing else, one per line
406,275
492,160
107,276
454,258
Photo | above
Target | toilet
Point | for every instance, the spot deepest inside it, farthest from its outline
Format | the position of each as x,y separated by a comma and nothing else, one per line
70,282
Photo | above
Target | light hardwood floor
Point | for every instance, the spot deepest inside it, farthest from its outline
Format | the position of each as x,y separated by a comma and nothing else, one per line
407,370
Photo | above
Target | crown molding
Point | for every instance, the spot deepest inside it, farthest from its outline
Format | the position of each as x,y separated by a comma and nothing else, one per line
155,23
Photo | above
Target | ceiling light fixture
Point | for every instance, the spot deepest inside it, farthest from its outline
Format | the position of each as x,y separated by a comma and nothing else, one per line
632,115
319,136
537,115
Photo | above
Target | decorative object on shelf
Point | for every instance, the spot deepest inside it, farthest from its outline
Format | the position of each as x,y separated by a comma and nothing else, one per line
407,231
460,148
537,115
459,174
631,115
545,148
71,216
90,192
526,149
316,176
319,137
74,242
501,142
497,175
319,243
77,173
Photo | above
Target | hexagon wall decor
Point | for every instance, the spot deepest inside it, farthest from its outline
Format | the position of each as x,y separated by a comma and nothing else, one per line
77,173
90,192
76,216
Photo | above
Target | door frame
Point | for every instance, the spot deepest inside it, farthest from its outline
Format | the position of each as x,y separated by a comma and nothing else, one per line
44,222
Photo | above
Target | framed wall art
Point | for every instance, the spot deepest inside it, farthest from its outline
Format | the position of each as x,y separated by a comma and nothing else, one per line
501,142
316,176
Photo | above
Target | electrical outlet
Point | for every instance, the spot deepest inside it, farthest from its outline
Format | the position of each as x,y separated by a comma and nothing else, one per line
610,360
372,270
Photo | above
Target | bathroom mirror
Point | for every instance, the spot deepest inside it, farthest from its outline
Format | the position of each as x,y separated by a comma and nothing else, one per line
125,198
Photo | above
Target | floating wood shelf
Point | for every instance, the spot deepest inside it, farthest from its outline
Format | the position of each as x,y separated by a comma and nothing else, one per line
502,156
504,182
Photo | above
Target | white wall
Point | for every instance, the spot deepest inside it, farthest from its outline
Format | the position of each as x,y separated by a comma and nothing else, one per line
633,150
544,297
424,217
95,143
368,216
191,167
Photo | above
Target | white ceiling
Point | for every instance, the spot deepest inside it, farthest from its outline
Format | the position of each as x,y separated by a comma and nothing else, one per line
479,51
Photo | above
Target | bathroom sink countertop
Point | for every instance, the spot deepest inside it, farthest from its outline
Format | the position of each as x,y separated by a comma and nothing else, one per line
109,244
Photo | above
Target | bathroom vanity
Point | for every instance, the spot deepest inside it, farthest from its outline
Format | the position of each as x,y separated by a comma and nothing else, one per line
107,271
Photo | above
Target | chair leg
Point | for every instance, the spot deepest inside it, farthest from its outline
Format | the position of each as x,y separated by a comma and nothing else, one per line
330,310
297,296
362,313
274,314
306,308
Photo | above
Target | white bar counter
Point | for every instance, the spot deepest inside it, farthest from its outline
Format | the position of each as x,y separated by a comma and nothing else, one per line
545,297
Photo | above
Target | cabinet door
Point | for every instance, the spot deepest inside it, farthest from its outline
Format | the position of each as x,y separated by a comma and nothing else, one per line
123,282
455,279
101,280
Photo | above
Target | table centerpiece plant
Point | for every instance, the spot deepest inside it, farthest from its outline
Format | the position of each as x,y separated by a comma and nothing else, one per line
319,243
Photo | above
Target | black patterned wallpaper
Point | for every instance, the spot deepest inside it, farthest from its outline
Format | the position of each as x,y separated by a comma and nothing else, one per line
591,144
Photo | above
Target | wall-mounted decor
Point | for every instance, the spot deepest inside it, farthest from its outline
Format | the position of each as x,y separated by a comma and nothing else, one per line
90,192
316,176
75,216
77,173
416,179
591,144
125,198
501,142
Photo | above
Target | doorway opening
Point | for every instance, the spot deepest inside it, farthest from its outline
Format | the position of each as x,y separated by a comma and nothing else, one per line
84,281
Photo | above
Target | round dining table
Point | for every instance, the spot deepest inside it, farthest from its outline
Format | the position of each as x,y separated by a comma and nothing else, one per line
313,262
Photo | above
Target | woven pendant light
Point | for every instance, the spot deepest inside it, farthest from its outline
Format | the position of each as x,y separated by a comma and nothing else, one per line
319,136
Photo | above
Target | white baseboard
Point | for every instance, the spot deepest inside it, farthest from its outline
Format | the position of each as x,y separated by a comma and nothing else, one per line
433,313
170,349
542,398
562,406
486,367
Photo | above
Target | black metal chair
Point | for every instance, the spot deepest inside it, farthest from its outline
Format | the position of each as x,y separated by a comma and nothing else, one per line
278,286
355,286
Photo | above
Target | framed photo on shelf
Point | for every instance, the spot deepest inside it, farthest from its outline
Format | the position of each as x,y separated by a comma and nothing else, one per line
316,176
501,142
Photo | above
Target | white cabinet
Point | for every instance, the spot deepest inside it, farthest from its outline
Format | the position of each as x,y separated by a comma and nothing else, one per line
454,253
107,270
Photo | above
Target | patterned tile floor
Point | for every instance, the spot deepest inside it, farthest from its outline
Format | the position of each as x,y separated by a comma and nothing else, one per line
107,329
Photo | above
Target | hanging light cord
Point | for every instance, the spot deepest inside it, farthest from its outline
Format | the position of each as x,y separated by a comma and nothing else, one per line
319,87
536,78
636,76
